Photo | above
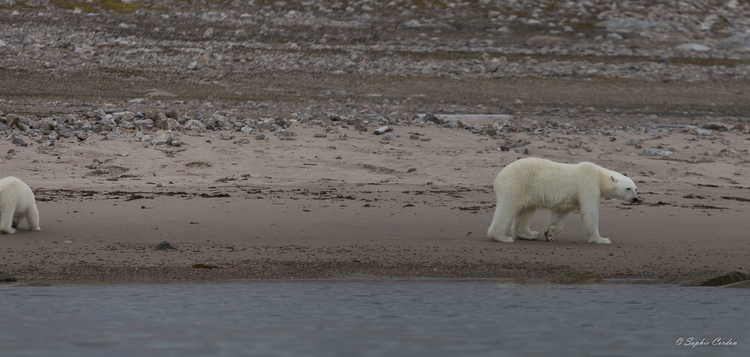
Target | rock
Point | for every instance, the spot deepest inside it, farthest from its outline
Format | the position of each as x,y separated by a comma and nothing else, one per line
81,136
545,40
247,130
656,153
577,277
489,131
629,24
703,132
613,37
433,119
7,278
732,153
155,115
64,132
412,23
172,113
194,125
194,66
693,47
721,279
735,43
162,139
721,127
260,137
382,130
13,120
143,124
281,123
287,134
742,285
18,141
164,246
320,135
358,124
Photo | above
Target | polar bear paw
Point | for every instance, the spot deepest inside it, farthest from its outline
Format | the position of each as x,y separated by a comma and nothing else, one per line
530,235
600,240
549,236
503,239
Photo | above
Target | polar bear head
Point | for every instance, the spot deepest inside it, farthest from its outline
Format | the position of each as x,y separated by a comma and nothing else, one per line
624,188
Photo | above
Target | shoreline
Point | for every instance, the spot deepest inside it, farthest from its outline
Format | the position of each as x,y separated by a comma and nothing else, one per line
284,270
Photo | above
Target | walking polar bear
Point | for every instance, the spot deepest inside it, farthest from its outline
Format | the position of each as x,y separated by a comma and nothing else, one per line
532,183
16,203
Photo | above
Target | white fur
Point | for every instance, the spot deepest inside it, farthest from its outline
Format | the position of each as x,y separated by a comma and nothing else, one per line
16,203
529,184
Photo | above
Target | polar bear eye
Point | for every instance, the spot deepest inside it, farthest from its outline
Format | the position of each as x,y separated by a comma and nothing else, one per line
628,188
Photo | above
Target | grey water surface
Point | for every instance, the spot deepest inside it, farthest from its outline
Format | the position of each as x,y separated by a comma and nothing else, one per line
372,318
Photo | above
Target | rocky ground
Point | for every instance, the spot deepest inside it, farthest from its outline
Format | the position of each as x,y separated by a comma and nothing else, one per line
108,96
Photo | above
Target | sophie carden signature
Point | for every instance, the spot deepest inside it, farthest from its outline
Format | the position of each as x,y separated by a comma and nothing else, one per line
693,342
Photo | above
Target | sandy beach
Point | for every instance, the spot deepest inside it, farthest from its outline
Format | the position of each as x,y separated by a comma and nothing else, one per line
319,208
277,173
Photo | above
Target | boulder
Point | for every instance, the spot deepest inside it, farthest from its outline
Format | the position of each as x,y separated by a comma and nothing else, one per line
741,285
7,278
726,278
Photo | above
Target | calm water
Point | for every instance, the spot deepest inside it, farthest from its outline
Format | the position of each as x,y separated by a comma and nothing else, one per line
370,318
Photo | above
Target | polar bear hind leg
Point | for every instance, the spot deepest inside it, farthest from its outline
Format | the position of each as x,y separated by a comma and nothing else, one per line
32,218
504,214
521,224
556,222
6,217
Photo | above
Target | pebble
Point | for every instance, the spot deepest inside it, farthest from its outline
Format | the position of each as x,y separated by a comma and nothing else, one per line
656,153
164,245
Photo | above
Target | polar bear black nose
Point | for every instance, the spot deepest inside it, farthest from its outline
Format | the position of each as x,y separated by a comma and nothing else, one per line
635,199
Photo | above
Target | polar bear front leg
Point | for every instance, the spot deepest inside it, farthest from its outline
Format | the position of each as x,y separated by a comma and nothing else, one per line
590,218
501,220
521,224
556,222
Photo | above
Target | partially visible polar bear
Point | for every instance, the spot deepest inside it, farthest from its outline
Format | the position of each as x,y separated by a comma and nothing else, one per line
16,203
528,184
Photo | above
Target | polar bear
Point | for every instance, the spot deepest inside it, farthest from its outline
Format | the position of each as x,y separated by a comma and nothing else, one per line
16,203
532,183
